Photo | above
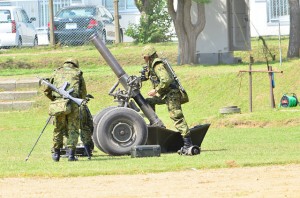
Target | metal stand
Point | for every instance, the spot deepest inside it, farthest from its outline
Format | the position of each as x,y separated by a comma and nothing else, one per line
48,120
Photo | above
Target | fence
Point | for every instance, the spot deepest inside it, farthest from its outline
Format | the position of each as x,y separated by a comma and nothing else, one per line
74,25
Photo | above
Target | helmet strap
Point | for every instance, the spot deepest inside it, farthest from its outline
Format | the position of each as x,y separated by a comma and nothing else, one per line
72,63
151,58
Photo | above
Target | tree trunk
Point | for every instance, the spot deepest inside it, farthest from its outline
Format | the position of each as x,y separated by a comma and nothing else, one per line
294,42
186,30
143,5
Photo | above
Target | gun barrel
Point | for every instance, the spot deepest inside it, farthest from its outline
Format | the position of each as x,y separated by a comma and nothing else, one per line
78,101
170,69
110,59
123,77
49,85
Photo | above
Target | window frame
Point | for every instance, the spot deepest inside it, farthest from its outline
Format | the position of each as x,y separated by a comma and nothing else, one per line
109,4
275,14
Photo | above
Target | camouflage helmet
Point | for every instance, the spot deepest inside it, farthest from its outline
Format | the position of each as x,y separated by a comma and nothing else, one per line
148,50
73,61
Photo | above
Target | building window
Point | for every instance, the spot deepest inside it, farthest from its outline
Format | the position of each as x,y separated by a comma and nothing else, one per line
130,4
278,11
124,5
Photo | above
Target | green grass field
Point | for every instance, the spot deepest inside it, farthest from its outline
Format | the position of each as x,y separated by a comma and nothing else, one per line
264,137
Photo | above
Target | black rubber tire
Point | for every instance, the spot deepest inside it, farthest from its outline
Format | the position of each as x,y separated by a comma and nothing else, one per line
120,129
194,150
96,120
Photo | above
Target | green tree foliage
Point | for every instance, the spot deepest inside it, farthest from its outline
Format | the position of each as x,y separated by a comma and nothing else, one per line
154,25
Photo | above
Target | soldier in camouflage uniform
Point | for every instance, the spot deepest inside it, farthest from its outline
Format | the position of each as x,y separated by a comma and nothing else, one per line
69,124
166,91
86,129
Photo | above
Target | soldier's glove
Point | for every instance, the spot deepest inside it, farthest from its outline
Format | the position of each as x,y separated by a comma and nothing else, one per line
144,73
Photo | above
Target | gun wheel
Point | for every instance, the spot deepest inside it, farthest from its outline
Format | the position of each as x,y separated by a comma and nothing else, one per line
119,130
96,120
194,150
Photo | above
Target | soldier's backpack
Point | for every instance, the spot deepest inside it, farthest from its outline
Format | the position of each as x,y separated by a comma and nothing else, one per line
184,96
59,107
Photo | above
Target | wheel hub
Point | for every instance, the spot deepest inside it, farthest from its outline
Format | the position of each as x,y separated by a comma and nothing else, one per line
122,132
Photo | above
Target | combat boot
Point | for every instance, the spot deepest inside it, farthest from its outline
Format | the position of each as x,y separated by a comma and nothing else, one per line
71,153
92,146
188,147
187,143
56,155
88,151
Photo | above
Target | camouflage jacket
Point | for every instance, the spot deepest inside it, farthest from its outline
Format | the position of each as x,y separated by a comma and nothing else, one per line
161,79
72,75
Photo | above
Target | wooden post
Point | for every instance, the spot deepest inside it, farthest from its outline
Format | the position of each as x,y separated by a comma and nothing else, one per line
51,23
250,83
271,87
270,73
117,24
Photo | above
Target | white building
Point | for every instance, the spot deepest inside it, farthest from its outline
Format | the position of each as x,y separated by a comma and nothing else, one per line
231,23
267,17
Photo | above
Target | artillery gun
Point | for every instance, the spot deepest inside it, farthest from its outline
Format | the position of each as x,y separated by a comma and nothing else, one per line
117,129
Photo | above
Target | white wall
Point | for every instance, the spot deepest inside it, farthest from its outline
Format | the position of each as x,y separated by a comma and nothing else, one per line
259,24
214,38
129,18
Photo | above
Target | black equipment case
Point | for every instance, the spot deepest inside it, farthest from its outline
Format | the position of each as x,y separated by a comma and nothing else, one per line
145,151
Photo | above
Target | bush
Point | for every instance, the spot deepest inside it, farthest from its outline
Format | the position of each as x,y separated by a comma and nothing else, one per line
154,26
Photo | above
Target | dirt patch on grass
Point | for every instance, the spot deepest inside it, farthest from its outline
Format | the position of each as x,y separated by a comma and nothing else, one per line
11,64
238,123
269,181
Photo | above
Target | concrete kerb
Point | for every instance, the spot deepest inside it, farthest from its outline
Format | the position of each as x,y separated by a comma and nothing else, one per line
15,84
18,105
8,85
6,106
9,95
16,95
22,105
28,83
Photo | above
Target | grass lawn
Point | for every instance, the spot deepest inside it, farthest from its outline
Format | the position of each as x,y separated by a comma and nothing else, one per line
264,137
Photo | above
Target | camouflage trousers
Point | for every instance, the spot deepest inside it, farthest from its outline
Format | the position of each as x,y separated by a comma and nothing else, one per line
86,126
86,136
67,125
172,100
85,129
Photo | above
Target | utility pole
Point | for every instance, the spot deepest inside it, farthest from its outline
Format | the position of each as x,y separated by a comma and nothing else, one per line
51,23
117,24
